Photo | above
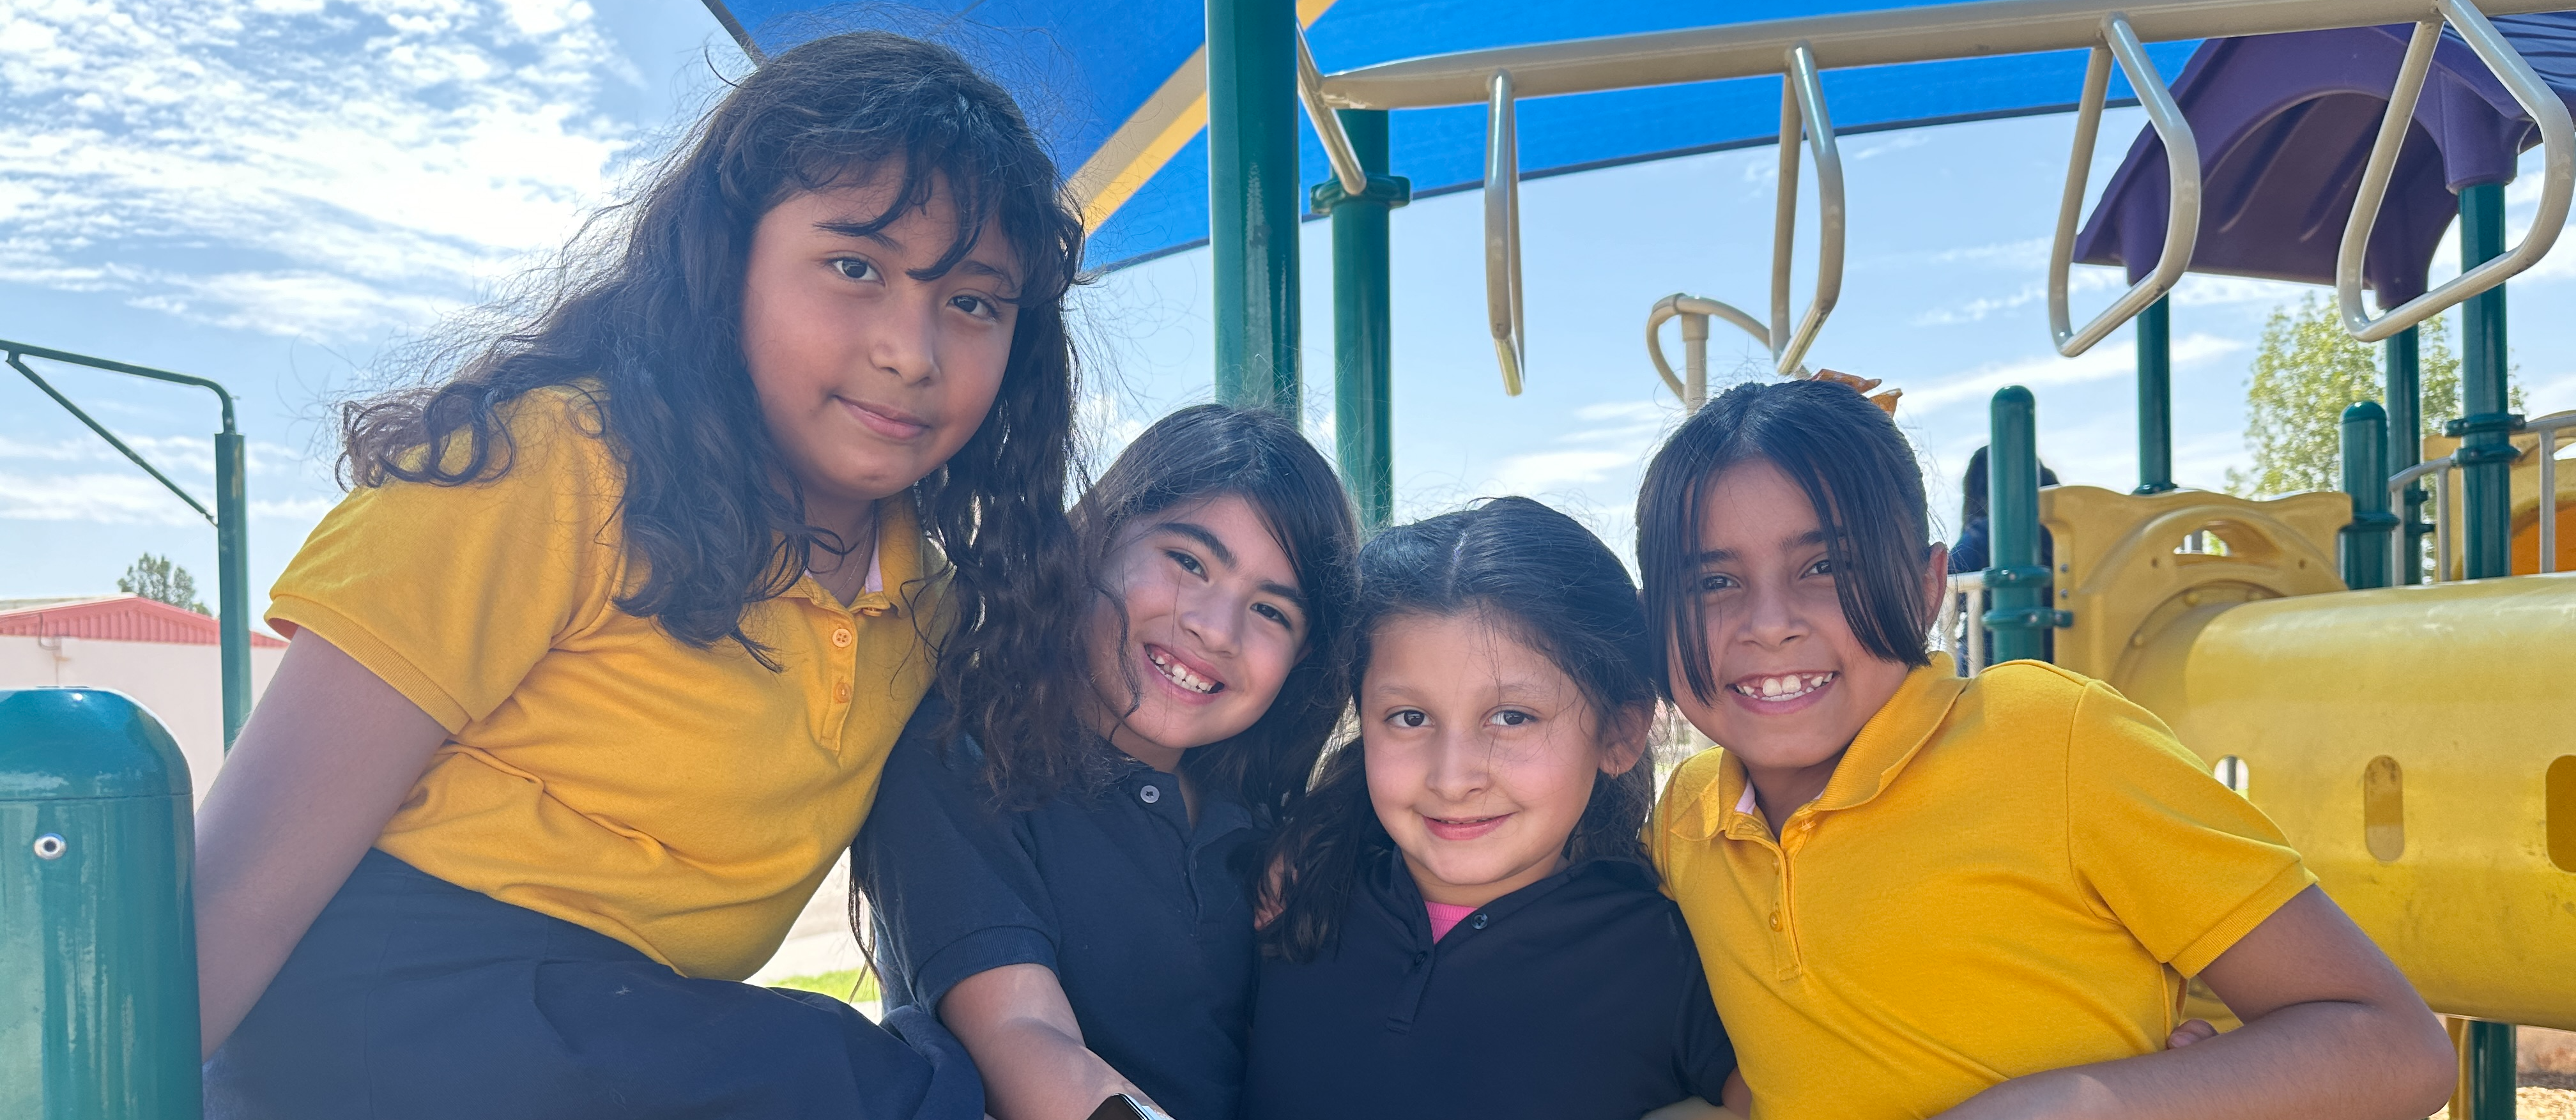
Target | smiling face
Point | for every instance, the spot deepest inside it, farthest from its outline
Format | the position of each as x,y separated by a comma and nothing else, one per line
1795,684
1481,754
1215,619
868,378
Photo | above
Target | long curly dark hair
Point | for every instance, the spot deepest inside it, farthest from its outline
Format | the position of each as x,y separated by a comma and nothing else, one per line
652,315
1564,594
1035,739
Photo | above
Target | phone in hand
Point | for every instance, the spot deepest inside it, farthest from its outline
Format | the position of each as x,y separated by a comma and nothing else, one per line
1124,1107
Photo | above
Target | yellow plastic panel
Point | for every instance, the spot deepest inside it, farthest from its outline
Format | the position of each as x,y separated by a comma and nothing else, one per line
2562,813
2119,571
2468,689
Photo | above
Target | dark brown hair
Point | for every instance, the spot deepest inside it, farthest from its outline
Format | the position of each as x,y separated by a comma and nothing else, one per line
1856,470
1036,742
1564,594
653,316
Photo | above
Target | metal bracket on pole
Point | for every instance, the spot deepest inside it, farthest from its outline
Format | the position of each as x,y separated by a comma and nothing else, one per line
1802,114
1328,126
1695,312
1802,108
2182,162
1503,231
2557,175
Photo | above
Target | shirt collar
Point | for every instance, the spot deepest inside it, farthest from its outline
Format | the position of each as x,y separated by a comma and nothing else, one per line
897,564
1891,738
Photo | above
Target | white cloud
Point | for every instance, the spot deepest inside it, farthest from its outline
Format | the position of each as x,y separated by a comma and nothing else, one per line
1548,472
2096,364
299,168
128,497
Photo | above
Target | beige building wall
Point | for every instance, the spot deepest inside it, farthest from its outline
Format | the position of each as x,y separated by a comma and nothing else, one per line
182,685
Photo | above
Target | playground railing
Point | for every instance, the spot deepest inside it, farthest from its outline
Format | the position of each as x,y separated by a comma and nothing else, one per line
2545,511
1961,628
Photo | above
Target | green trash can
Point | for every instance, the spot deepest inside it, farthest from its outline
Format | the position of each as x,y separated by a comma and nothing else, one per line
98,943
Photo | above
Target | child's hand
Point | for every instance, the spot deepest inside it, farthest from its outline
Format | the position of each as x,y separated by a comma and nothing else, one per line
2191,1031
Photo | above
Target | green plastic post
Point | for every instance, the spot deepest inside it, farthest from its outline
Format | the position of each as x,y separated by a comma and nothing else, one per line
2405,402
2018,581
1363,320
232,575
2486,443
2365,477
98,943
1252,200
2490,1070
2155,397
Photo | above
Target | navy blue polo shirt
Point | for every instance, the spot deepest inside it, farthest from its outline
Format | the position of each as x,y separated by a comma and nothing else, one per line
1579,996
1146,920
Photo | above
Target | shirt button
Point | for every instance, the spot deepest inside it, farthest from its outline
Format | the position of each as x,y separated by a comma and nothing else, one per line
1150,794
841,637
1775,919
841,691
1478,921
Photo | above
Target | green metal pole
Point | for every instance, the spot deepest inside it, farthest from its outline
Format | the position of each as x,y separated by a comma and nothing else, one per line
232,573
2155,397
2365,477
2490,1070
1363,320
2405,403
2019,582
98,944
1252,200
2486,444
230,517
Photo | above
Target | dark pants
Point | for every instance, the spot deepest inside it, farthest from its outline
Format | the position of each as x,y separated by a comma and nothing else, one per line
413,997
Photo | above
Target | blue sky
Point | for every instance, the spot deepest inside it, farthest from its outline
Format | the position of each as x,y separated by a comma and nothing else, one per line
282,194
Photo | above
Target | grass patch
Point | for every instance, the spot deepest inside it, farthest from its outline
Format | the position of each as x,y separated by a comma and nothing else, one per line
852,985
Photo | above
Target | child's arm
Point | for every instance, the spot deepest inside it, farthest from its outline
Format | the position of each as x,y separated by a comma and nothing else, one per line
2332,1030
1021,1031
324,761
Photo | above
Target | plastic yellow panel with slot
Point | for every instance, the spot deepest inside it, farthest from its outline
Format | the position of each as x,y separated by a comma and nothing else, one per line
2411,742
2122,571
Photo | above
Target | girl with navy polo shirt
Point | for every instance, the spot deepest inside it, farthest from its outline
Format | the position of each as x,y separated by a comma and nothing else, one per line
1467,923
1061,865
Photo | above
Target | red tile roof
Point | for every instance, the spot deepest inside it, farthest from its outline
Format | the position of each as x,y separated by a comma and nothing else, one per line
116,618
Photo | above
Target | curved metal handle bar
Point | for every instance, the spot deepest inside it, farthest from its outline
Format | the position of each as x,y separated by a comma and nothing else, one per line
1802,103
2557,176
1702,308
2182,162
1503,230
1328,127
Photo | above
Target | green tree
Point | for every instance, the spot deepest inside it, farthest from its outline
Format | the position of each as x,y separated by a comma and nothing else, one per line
2306,371
156,577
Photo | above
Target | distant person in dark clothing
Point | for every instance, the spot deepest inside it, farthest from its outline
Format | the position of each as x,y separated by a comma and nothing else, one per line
1970,554
1976,542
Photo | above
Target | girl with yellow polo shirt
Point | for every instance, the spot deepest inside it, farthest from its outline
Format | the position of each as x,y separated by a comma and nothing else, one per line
1917,894
593,672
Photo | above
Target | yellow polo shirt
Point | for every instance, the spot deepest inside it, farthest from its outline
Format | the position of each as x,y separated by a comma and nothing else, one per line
684,801
2005,875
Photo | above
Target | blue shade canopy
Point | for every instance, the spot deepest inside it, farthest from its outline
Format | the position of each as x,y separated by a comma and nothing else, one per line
2284,124
1085,70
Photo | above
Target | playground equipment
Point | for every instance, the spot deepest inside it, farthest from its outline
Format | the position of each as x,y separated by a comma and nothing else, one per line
2540,540
98,961
230,517
1802,112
